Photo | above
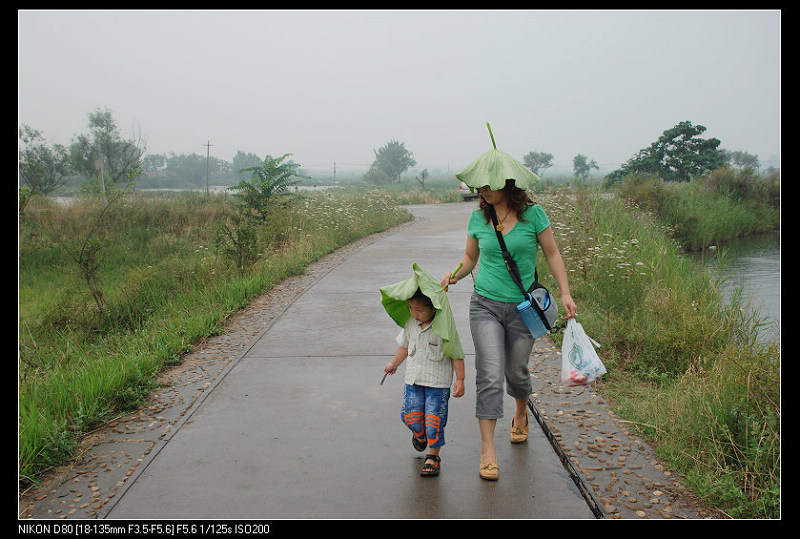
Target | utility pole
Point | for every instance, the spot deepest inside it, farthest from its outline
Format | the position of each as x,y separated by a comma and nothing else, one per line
208,148
334,172
98,165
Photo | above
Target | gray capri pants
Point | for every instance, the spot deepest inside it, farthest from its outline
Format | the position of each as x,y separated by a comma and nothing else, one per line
503,346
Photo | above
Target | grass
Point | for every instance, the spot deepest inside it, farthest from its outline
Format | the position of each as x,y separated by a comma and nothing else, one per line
685,365
162,280
711,210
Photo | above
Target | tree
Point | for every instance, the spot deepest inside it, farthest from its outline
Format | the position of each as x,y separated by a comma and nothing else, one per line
392,159
421,180
742,160
185,170
154,162
537,161
121,158
243,161
582,166
41,168
268,181
678,155
376,176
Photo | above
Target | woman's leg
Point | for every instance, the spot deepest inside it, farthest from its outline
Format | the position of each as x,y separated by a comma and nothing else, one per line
488,336
487,427
519,344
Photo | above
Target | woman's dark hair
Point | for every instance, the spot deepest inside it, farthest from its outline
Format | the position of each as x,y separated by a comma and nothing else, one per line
518,200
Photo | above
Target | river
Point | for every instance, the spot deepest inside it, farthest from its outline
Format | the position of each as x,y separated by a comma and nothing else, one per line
754,264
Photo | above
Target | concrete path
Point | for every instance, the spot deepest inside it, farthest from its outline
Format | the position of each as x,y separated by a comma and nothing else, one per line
300,426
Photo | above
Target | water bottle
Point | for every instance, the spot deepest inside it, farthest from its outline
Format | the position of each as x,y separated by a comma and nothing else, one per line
542,298
531,318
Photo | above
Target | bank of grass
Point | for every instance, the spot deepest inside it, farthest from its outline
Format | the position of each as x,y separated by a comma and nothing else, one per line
685,367
165,281
710,210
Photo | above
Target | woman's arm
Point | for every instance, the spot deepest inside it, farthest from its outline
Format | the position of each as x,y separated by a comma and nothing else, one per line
468,263
556,264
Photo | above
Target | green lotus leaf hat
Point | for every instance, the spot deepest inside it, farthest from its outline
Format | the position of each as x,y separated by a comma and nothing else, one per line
394,299
493,168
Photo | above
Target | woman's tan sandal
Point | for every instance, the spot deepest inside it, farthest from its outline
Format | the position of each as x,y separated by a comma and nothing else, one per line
519,434
431,466
489,470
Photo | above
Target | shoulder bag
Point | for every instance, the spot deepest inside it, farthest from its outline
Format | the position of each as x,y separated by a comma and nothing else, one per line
538,309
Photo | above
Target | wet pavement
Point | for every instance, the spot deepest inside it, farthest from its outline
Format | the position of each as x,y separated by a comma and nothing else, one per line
284,417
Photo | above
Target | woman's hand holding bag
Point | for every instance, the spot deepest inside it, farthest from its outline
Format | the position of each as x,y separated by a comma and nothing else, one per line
580,364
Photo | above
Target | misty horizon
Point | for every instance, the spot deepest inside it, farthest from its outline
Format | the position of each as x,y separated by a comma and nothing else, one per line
333,86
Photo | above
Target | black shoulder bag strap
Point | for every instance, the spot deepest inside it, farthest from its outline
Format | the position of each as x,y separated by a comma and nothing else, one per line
514,271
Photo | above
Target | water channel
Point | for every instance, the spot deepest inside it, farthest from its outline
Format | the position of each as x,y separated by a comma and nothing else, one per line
754,265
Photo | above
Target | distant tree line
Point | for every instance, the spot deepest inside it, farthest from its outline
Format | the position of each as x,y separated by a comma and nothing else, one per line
679,154
187,171
102,159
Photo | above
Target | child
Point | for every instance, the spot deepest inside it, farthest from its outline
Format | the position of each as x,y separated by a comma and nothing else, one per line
428,377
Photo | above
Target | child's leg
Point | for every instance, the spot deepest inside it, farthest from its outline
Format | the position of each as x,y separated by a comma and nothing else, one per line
413,414
436,402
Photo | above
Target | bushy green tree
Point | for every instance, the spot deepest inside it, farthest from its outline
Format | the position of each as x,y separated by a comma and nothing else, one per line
391,160
581,166
679,154
122,158
537,161
41,168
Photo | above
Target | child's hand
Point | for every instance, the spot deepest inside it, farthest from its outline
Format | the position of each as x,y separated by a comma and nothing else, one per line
390,369
458,388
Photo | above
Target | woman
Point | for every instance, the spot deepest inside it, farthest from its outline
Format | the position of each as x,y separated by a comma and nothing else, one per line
503,343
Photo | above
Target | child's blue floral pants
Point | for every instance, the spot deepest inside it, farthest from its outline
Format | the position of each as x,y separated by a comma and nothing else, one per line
425,411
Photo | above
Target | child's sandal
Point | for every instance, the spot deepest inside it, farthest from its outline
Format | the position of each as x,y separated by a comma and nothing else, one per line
430,469
419,443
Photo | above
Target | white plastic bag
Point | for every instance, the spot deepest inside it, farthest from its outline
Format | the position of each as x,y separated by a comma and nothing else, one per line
580,364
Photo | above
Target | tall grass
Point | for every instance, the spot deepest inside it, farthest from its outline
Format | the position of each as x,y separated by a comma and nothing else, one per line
685,366
710,210
165,284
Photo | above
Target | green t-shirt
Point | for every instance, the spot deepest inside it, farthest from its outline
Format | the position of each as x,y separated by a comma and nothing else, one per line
493,280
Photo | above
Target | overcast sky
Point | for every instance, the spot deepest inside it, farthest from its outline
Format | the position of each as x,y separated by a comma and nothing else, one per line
333,86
